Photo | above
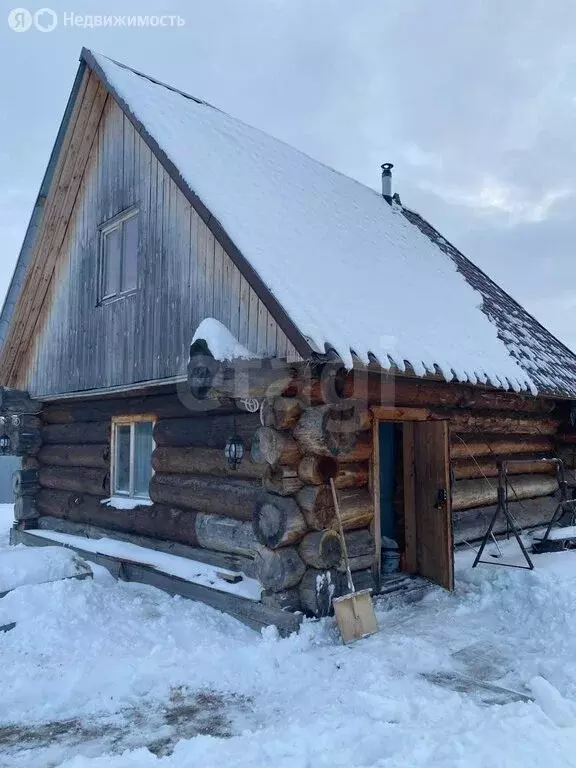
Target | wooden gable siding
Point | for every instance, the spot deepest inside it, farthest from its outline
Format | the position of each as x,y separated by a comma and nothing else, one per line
184,276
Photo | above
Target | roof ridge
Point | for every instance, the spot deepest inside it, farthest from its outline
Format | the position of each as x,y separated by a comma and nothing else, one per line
86,53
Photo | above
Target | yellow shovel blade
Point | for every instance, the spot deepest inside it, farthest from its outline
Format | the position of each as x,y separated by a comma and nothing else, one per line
355,615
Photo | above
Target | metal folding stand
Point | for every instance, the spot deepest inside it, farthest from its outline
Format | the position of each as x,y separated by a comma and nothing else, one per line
502,508
565,504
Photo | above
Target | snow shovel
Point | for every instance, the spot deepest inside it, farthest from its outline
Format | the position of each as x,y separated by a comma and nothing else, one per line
354,612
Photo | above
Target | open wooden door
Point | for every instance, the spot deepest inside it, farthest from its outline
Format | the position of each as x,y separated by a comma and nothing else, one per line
433,512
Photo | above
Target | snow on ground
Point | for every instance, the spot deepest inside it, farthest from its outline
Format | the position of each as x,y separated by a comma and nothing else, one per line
103,674
6,519
22,565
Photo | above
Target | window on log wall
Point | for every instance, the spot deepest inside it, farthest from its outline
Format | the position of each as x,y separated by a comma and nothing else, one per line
119,256
132,447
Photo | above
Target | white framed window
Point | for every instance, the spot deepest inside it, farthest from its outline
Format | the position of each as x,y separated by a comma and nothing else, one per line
131,456
119,256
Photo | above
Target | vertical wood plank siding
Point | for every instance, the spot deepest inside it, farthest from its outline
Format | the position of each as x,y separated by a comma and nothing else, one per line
184,276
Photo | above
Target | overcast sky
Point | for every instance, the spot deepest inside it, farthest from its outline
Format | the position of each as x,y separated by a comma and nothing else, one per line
473,101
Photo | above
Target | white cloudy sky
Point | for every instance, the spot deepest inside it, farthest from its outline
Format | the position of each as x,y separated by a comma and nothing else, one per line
474,102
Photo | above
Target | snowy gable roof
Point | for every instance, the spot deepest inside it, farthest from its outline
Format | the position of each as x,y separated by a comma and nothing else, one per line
351,271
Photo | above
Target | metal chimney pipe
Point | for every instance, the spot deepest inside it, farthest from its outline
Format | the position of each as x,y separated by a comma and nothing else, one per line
387,181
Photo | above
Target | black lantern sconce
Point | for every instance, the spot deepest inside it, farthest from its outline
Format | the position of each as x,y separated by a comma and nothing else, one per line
5,444
234,451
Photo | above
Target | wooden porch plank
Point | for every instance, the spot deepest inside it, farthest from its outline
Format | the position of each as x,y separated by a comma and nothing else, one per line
253,614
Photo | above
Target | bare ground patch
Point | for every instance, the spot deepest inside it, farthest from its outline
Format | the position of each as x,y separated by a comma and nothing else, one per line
158,728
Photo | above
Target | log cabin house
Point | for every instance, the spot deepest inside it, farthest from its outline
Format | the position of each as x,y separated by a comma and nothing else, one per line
335,333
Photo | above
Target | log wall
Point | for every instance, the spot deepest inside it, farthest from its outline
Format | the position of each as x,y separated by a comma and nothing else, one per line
198,500
275,513
486,427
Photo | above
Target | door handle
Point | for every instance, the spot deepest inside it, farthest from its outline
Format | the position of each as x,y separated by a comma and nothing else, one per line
441,498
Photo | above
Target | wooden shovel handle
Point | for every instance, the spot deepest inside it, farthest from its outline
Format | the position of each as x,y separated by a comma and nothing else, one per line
344,547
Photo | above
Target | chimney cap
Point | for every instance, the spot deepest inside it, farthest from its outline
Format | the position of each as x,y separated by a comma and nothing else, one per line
387,166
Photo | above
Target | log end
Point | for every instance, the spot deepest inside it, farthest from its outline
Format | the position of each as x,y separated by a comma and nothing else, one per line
277,521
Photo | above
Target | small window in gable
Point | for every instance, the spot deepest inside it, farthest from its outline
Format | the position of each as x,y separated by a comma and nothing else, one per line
132,446
119,256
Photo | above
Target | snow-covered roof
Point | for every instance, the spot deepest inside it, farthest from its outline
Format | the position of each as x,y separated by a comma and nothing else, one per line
350,271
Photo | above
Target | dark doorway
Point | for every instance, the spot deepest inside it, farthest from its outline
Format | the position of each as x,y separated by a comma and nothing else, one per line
414,499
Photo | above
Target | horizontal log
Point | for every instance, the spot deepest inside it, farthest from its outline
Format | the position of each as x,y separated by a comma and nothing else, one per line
317,590
25,482
361,549
209,431
273,447
333,430
320,384
278,569
277,521
25,443
467,494
18,401
321,549
224,534
499,423
213,495
282,480
360,543
95,456
352,475
361,451
361,580
467,469
472,524
30,462
465,445
80,479
25,508
384,389
78,433
359,563
156,521
162,406
209,378
356,507
317,470
218,559
280,412
25,436
197,460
